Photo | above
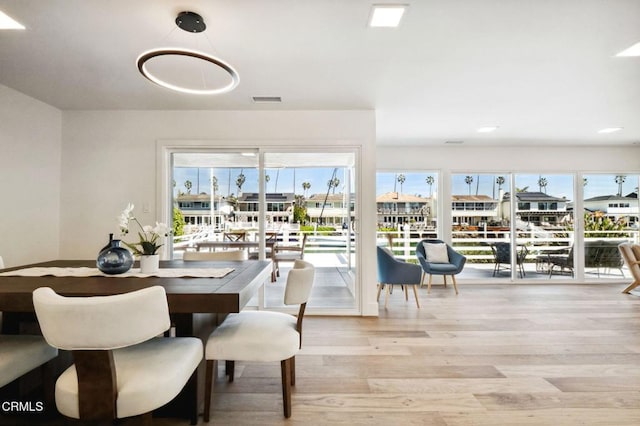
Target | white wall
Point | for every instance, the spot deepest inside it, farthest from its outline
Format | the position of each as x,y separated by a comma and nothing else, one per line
109,160
30,149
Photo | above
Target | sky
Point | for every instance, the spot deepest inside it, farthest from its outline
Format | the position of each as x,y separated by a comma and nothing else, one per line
282,180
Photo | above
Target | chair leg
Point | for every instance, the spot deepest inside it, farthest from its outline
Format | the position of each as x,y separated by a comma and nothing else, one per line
230,368
422,279
429,285
293,371
415,293
406,293
386,296
212,368
455,285
379,290
285,367
631,287
445,281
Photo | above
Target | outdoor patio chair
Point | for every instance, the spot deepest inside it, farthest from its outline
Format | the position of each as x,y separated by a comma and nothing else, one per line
451,264
287,253
502,256
562,261
603,255
393,271
631,255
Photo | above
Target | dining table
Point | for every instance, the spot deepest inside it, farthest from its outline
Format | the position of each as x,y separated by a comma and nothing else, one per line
196,303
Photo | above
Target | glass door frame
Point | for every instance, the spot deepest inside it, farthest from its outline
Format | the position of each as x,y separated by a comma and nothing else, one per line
164,172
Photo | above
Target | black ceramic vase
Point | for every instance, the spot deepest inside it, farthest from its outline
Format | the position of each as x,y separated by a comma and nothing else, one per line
114,259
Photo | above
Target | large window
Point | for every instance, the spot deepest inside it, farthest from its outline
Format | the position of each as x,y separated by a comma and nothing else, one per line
480,218
406,206
611,215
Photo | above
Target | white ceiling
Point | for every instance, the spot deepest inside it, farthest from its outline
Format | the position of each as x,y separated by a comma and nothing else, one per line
542,70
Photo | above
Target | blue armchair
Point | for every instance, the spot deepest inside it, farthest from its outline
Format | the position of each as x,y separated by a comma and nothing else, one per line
454,266
392,271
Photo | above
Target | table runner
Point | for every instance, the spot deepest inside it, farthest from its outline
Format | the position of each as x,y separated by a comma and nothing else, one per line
134,272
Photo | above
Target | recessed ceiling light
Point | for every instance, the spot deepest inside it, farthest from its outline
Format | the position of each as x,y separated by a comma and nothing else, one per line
631,51
610,130
386,15
454,142
8,23
487,129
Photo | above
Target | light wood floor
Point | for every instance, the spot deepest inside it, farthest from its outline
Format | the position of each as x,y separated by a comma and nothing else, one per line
493,355
543,354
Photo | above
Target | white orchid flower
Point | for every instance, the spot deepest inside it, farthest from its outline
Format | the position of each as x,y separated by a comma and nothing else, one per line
161,229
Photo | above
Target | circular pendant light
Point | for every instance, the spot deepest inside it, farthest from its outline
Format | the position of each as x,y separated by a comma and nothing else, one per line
193,23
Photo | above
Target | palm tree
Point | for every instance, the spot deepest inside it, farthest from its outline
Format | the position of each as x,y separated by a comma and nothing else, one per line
500,182
401,179
542,184
240,181
267,178
214,188
430,181
188,185
620,180
584,181
336,183
468,180
305,187
333,184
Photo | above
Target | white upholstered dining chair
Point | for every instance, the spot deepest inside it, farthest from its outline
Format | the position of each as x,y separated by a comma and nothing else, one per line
261,336
20,354
121,367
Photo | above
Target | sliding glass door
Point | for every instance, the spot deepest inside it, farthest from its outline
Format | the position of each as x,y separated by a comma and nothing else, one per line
319,194
277,206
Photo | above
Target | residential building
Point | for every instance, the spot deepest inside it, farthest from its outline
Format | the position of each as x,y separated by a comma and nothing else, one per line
396,209
615,207
536,208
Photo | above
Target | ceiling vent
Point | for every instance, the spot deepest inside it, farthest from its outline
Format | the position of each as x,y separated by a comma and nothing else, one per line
454,142
267,99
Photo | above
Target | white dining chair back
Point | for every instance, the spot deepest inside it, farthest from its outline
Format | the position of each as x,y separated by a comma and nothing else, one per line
189,256
121,367
1,263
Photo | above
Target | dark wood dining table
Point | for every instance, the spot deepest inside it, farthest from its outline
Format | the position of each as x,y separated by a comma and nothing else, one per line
195,304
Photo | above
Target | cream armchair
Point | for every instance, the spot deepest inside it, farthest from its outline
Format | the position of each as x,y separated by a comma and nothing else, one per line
121,368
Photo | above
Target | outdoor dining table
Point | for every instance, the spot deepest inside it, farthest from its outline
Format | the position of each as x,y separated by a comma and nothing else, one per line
194,302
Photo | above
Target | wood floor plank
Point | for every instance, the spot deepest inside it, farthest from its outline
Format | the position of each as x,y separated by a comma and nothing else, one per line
546,401
475,386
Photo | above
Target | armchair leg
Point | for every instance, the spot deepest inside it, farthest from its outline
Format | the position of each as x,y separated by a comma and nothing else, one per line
445,281
415,293
429,285
379,290
631,287
386,297
405,289
455,285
